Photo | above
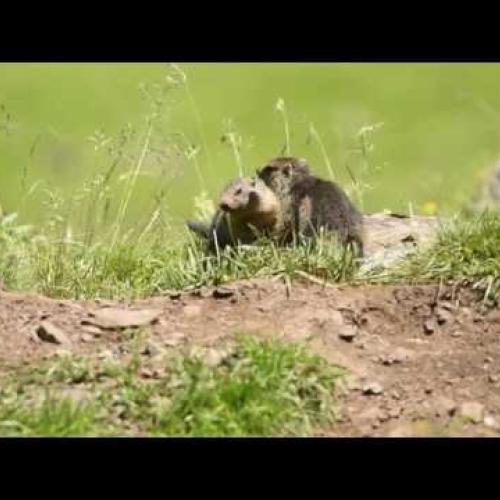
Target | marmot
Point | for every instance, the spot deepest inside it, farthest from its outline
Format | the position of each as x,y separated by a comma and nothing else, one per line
247,208
310,203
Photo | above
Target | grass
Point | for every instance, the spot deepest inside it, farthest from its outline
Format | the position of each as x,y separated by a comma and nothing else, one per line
260,387
465,249
87,244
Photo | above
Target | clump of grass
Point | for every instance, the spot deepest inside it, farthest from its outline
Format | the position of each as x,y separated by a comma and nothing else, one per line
259,388
15,245
465,249
60,267
266,388
51,417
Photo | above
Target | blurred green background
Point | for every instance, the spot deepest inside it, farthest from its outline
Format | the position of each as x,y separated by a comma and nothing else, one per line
441,127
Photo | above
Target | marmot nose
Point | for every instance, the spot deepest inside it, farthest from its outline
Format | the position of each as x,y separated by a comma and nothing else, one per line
224,206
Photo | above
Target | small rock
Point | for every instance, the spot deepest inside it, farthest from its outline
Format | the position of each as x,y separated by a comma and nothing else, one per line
94,330
201,293
428,390
445,406
107,354
352,384
442,315
192,310
175,339
473,411
151,349
175,295
111,318
214,357
384,416
395,395
348,332
466,311
146,373
491,422
448,306
429,326
456,333
398,356
401,355
373,389
50,333
86,337
61,353
223,293
328,320
492,378
395,412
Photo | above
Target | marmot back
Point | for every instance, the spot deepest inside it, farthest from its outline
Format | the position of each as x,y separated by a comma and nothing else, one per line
310,203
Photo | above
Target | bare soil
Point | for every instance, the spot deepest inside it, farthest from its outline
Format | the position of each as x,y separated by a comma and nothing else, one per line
423,360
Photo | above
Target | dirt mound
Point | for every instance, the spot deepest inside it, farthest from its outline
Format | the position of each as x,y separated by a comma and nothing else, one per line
423,359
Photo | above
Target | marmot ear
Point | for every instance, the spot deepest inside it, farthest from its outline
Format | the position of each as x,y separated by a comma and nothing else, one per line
287,170
302,163
265,170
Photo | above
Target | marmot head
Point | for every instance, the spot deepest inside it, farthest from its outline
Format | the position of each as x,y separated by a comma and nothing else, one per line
282,170
239,196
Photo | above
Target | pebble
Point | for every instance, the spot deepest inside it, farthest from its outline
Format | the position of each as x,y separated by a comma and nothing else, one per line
223,293
395,412
174,339
429,326
94,330
48,332
473,411
373,389
443,316
86,337
151,349
348,332
113,317
491,422
445,406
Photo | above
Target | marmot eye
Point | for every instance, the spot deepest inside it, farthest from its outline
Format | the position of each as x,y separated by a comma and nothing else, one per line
238,191
252,183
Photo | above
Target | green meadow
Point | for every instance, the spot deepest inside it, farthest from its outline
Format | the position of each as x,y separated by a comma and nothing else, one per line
437,127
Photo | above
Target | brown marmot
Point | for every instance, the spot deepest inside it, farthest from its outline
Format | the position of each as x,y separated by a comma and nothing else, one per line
310,203
247,208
